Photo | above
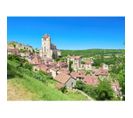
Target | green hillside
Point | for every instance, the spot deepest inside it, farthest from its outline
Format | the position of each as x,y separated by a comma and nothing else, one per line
25,84
92,52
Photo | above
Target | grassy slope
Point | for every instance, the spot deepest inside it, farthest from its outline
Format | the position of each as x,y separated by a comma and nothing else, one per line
25,87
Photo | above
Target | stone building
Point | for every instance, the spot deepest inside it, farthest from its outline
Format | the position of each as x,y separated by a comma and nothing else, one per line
48,50
76,62
66,80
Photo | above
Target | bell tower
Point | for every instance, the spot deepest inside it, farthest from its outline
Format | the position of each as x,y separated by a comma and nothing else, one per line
46,46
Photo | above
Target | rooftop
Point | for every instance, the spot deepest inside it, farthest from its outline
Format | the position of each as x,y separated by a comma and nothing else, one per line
62,78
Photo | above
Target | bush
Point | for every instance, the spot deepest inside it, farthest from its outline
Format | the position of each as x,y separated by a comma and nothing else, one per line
101,92
80,85
27,66
10,71
63,89
104,91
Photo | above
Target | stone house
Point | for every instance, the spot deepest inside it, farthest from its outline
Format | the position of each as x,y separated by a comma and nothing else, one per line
65,80
87,66
76,62
53,72
35,60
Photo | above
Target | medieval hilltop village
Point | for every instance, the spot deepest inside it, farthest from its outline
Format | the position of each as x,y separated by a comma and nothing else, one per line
65,76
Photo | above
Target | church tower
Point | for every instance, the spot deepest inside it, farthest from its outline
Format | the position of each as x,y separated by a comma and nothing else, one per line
46,46
48,50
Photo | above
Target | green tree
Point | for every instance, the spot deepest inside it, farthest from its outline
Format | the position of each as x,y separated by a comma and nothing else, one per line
70,66
80,85
104,91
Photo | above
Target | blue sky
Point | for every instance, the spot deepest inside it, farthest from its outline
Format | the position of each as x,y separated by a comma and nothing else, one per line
69,32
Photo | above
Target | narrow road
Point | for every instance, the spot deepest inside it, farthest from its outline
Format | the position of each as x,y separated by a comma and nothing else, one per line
89,98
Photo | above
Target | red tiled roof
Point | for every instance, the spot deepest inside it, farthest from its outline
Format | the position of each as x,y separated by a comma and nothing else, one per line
62,64
91,80
64,70
101,71
43,67
78,74
36,60
62,78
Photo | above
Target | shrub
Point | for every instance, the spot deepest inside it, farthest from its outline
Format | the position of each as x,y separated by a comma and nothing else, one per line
63,89
27,66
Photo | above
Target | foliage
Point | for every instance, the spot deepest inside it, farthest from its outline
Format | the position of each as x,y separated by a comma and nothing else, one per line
80,85
27,65
64,89
118,72
88,72
82,62
101,92
88,89
53,56
91,52
22,50
70,66
10,72
104,91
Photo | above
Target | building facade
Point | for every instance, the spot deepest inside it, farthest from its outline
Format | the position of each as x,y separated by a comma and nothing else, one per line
48,50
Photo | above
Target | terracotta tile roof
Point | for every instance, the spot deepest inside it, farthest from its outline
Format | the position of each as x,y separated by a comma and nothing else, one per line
78,74
64,70
91,80
35,59
62,64
62,78
101,71
42,67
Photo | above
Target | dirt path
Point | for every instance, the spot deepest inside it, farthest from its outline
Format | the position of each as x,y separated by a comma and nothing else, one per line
15,92
89,98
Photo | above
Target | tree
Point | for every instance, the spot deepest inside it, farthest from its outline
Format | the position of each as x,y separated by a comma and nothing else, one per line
70,66
53,56
104,91
82,62
80,85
